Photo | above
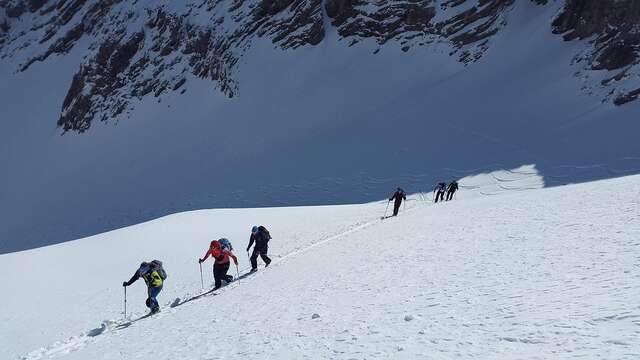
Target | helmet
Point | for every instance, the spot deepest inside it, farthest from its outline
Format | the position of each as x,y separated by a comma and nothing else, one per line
254,229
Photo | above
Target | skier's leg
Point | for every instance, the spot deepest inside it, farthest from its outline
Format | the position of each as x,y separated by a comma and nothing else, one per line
152,301
254,259
149,301
155,297
217,275
225,268
265,258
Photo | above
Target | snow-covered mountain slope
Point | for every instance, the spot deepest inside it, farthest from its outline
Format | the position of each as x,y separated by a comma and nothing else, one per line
526,274
267,103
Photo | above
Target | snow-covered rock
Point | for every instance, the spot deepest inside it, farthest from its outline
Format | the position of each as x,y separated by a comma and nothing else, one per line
146,48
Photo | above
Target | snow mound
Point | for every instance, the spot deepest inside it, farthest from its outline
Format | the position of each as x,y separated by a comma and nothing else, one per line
532,273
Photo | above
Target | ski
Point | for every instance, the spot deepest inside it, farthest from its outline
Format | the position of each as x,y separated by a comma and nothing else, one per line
128,323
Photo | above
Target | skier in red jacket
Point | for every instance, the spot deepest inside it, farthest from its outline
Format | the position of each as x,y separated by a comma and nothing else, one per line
221,264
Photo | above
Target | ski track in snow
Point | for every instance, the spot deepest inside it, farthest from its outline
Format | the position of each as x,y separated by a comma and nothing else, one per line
108,326
537,274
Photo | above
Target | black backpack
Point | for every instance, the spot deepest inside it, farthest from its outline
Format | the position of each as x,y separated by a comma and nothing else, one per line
264,232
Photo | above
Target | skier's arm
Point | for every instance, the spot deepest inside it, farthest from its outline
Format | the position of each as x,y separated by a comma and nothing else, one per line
235,259
206,255
251,240
133,279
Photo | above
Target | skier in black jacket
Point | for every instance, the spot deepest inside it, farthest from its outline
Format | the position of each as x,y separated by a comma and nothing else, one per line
260,235
440,190
451,189
398,196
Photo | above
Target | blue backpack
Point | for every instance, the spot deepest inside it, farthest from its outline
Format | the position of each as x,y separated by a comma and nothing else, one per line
225,244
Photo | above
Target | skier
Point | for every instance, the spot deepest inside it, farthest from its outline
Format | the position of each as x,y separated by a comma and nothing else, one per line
440,190
154,276
260,235
399,195
221,252
451,189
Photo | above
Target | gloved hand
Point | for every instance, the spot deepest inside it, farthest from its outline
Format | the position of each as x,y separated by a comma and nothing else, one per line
125,284
200,261
248,248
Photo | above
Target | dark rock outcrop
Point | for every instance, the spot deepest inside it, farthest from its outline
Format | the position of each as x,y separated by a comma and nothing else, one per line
613,26
138,51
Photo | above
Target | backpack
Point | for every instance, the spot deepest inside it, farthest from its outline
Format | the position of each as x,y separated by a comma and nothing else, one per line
225,244
157,266
264,230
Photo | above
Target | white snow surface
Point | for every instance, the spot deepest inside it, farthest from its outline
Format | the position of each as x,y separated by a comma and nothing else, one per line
507,270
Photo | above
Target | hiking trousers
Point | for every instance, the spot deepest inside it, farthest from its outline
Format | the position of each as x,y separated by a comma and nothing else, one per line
220,273
450,195
396,207
263,254
153,292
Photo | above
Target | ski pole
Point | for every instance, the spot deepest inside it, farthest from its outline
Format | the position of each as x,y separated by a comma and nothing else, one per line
125,302
385,210
201,278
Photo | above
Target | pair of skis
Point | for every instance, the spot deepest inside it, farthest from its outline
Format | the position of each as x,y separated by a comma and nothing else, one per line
212,291
404,204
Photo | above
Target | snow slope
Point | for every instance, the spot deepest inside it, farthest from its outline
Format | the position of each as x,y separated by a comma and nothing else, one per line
328,124
504,271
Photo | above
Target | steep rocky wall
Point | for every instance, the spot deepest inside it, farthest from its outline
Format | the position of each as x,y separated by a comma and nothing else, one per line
614,29
145,48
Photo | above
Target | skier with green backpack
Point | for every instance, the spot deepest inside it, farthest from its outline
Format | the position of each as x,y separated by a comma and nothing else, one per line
154,276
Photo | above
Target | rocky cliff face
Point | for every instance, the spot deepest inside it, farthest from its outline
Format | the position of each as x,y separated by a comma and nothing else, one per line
141,48
613,29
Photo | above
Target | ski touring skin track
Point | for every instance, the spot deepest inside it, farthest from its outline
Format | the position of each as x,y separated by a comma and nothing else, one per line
111,326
